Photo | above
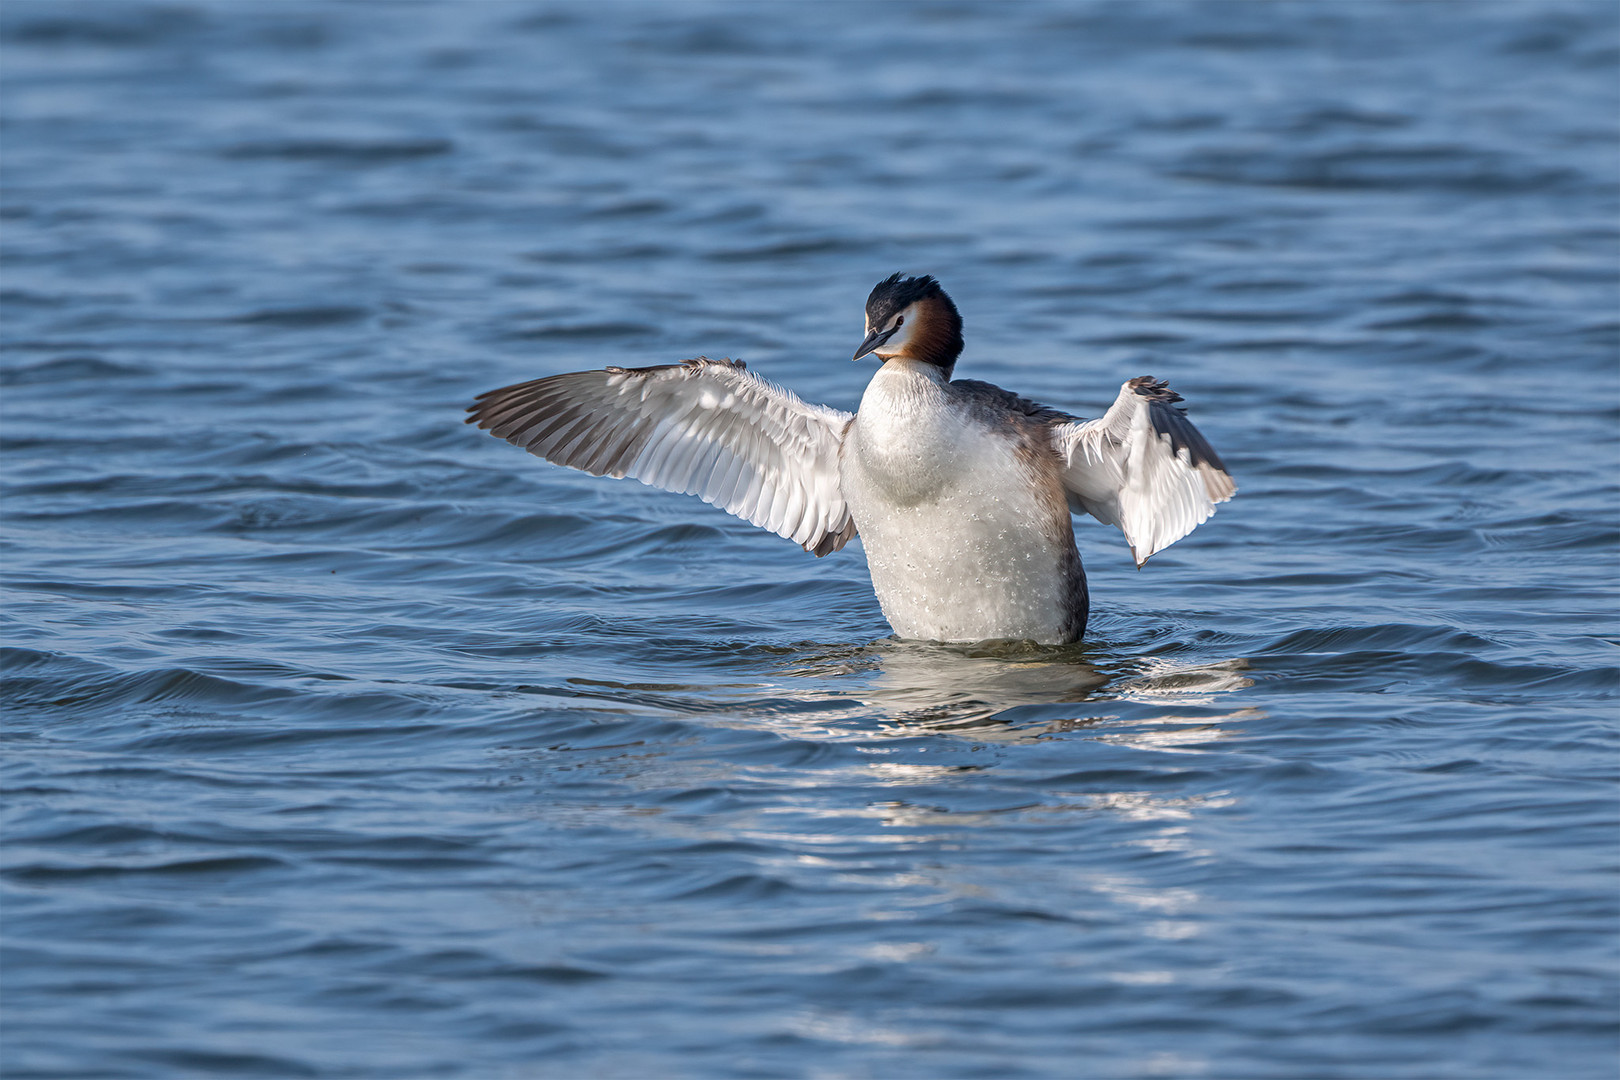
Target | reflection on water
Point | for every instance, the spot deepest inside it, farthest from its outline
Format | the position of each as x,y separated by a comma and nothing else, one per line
1013,691
1146,806
1175,682
943,688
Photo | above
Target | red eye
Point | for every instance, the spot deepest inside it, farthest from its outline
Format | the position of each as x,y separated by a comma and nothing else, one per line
898,323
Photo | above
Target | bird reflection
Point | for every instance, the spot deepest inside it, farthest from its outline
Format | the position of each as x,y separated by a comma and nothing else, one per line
1015,691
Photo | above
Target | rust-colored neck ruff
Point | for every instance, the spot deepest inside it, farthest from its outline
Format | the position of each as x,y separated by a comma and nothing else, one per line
936,336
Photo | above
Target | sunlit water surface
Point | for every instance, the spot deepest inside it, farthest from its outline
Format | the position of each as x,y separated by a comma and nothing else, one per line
346,741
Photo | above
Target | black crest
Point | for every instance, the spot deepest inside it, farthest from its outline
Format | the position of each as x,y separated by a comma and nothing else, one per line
895,293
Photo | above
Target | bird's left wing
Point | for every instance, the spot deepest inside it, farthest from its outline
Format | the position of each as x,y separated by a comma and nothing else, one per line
1144,467
702,427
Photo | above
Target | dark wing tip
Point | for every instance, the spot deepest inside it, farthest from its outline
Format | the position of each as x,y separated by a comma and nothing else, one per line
1154,389
829,542
479,410
491,393
1171,421
490,400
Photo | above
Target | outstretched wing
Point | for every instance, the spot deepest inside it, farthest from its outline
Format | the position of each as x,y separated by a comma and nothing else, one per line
701,427
1144,467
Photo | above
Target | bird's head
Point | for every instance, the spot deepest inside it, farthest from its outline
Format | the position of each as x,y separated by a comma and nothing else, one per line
912,318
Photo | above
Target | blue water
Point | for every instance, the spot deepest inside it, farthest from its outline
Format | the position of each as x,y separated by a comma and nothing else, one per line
346,741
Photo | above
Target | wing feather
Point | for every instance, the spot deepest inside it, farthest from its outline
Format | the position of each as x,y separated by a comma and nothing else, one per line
702,427
1144,467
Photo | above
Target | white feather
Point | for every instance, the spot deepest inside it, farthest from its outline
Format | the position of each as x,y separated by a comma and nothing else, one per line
1144,467
705,427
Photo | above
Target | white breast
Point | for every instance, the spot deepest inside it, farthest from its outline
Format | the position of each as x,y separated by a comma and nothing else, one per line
965,537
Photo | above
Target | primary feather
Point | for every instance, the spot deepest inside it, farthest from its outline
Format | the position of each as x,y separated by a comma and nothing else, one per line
703,427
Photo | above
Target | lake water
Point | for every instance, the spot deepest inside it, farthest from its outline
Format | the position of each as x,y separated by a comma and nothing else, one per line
344,740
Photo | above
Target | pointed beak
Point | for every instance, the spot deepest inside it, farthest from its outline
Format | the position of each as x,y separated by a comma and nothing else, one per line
873,340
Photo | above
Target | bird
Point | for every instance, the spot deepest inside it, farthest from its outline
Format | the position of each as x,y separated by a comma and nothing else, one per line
961,492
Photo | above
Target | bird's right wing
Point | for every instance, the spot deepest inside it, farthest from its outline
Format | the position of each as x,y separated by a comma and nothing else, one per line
1144,467
702,427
